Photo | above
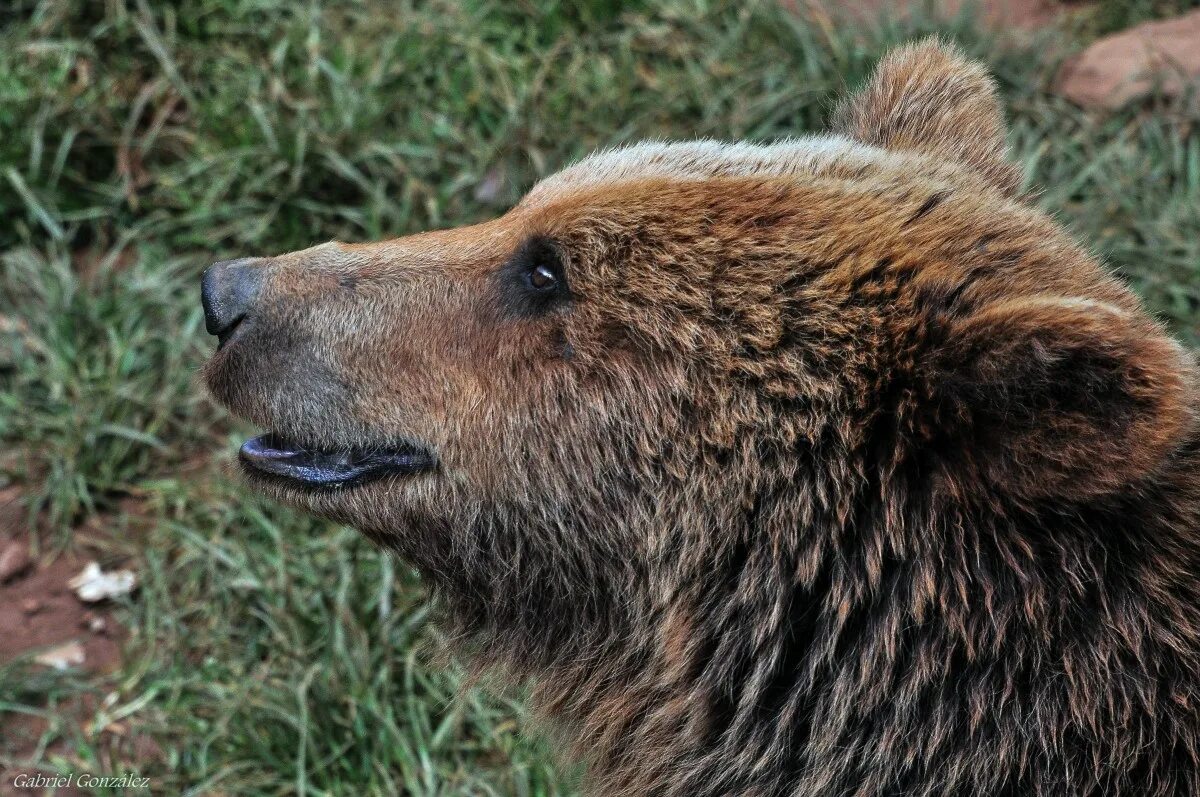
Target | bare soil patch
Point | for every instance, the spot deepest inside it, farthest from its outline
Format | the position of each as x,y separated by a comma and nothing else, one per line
38,610
41,617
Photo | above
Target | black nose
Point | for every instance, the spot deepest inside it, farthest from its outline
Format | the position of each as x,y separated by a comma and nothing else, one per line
227,291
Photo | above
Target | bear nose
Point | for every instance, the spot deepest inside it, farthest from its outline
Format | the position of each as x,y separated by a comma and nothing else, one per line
228,290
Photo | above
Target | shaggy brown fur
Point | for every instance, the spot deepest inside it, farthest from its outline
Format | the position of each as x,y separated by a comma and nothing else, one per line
837,469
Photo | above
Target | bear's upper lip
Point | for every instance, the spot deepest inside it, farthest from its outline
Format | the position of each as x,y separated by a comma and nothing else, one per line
276,456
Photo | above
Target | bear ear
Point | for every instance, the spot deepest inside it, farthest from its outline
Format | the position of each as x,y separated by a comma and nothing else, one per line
1058,397
930,99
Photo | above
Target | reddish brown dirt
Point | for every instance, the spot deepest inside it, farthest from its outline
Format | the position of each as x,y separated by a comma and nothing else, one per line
22,733
39,612
37,608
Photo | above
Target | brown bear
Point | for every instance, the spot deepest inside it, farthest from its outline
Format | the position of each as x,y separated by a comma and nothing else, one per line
829,467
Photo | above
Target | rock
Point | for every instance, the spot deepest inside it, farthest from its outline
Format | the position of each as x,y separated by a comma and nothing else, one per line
62,657
94,623
93,584
1126,65
14,560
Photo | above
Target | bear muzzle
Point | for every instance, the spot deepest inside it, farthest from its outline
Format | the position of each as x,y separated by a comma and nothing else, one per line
274,375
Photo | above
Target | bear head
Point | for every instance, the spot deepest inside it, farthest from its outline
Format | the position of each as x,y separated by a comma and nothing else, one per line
674,419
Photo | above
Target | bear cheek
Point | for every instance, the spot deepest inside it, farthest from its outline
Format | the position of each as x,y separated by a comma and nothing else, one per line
408,386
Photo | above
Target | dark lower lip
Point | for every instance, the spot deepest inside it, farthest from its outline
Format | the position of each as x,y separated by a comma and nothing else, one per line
274,456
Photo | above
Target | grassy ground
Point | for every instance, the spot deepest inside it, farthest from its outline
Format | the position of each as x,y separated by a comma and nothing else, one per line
270,654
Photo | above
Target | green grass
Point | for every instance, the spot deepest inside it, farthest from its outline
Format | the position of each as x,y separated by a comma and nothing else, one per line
271,654
1113,15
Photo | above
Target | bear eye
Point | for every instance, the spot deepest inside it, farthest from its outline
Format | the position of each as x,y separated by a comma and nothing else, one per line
543,277
533,282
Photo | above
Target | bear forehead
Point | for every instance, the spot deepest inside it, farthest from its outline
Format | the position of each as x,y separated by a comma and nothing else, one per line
792,158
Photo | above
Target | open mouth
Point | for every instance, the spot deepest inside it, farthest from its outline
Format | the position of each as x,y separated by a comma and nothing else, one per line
276,456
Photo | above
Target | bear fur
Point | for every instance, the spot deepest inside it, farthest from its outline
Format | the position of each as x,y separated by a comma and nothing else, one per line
827,468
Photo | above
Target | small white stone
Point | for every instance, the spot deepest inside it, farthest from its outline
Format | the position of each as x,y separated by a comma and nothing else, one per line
62,657
93,584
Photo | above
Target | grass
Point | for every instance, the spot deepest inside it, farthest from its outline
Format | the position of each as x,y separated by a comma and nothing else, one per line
271,654
1114,15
